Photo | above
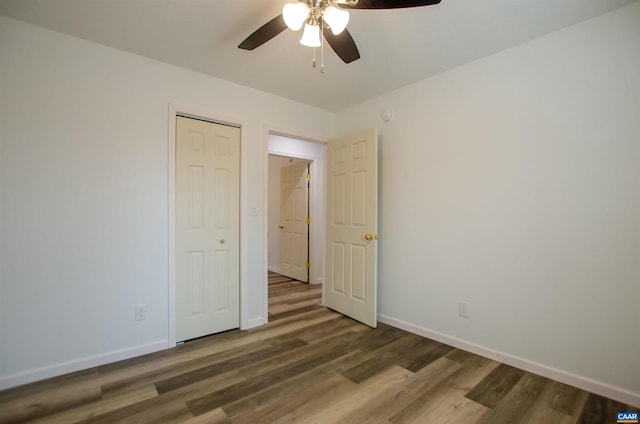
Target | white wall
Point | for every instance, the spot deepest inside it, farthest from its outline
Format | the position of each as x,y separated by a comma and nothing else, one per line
514,183
83,196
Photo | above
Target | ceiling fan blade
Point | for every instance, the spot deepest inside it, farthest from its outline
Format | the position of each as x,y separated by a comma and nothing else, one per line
387,4
263,34
343,45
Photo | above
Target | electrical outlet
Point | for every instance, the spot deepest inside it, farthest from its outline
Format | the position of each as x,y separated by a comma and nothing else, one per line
141,312
463,309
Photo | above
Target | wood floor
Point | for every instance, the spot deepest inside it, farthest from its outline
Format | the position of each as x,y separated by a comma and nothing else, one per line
308,364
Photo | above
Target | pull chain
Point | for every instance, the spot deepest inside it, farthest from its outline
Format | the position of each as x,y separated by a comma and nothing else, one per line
322,49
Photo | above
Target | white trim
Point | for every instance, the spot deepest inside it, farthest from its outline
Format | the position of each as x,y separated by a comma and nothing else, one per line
80,364
171,207
284,133
244,225
256,322
265,227
274,269
581,382
175,110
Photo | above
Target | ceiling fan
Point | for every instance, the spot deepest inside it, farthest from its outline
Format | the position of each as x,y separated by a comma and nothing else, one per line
316,15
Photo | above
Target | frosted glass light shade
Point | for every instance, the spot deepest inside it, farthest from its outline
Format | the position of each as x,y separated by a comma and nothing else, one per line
336,18
295,14
311,36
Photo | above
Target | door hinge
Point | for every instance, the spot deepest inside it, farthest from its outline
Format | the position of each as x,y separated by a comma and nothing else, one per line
308,265
308,177
308,221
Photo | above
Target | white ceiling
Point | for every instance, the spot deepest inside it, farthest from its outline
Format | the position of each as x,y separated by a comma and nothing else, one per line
397,47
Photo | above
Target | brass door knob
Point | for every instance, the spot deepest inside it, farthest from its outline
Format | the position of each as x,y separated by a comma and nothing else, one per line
371,237
221,241
281,226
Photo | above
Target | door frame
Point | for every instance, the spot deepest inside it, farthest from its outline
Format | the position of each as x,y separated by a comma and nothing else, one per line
174,111
317,245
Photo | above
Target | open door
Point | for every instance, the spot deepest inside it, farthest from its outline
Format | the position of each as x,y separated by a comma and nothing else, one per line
294,222
352,225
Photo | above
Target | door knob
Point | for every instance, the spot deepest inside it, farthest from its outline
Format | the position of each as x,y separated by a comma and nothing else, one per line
371,237
281,226
221,241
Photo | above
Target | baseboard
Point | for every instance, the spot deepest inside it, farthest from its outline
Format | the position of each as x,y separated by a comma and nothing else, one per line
581,382
255,322
318,281
55,370
274,269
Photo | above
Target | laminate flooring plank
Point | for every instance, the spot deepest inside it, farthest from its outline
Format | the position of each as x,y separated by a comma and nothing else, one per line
386,356
422,354
32,390
230,364
516,404
301,316
292,312
495,386
380,336
598,409
460,356
339,325
541,411
295,297
182,362
381,408
448,393
217,416
187,365
165,404
177,416
326,392
99,406
351,339
316,357
41,403
566,399
452,410
299,327
337,410
286,289
278,400
280,308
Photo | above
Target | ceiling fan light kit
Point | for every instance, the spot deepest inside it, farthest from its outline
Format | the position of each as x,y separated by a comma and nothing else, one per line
316,15
311,36
336,18
295,14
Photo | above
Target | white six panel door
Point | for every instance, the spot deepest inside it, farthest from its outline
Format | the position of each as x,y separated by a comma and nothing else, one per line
352,225
294,211
207,228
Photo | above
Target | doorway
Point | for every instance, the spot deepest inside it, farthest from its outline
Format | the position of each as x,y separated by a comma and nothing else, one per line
351,220
288,217
312,152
